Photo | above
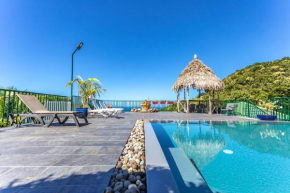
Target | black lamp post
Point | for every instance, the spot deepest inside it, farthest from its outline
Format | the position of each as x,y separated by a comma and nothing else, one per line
72,71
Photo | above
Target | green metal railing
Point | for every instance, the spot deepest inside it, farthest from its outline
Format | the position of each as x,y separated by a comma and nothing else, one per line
10,103
245,108
282,109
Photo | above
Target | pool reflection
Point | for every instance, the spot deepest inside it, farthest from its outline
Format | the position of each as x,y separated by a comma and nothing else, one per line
200,144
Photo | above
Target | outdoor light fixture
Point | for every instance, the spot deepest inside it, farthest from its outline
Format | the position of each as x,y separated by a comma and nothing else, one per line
80,46
72,72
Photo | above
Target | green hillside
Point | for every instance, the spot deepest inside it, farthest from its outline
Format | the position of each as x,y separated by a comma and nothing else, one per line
259,81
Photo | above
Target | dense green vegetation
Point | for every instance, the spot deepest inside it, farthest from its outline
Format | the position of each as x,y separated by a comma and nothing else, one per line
4,123
259,82
172,107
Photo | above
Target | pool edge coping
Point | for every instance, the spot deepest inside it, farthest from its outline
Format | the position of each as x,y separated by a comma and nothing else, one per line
157,181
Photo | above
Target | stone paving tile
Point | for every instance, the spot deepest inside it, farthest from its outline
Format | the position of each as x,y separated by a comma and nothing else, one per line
105,143
82,189
61,150
82,160
86,150
19,176
119,138
100,133
4,169
67,143
111,150
56,138
31,160
92,138
9,190
92,175
23,150
40,143
39,190
54,176
3,157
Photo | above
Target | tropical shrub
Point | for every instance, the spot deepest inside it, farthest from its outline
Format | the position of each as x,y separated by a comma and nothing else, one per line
172,107
4,123
87,88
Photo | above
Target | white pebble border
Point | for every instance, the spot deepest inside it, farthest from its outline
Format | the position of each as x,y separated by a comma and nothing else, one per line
129,175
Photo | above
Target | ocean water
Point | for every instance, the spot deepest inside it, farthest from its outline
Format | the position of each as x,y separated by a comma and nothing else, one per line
233,157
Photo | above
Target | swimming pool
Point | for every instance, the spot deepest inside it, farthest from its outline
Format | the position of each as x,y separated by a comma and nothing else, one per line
234,157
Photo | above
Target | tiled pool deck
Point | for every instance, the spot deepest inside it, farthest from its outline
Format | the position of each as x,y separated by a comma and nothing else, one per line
70,159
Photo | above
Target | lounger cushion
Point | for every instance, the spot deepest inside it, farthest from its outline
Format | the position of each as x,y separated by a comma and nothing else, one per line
58,112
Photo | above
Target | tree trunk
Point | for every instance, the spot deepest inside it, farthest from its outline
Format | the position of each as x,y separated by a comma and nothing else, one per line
86,101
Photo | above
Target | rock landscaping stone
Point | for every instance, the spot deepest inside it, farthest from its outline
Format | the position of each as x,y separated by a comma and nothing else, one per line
108,190
132,189
119,177
127,183
129,175
118,186
142,187
138,182
132,178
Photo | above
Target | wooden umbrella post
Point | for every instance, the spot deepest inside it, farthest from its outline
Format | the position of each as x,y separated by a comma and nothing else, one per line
213,102
187,101
198,96
218,102
209,103
178,101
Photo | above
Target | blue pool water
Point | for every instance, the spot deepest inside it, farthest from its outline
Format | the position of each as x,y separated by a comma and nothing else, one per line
233,157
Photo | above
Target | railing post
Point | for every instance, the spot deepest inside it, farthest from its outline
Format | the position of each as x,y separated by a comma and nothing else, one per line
8,106
3,105
248,108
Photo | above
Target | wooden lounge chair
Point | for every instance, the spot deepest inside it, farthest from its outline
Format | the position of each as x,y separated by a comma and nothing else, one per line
38,112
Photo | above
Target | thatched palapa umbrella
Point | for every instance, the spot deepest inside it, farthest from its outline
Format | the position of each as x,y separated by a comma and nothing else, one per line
198,76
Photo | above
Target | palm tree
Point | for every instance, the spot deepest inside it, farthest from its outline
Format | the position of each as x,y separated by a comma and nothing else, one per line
88,88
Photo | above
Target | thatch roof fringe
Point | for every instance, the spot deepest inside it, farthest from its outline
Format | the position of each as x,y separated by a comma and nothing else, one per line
197,75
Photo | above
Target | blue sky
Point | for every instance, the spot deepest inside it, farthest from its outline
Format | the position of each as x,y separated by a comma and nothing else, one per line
136,48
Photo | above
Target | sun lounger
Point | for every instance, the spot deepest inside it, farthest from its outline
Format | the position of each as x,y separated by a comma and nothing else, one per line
116,111
105,106
229,108
38,112
104,112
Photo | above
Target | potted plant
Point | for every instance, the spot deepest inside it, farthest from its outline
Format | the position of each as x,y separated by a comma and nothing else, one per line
170,102
145,105
162,102
87,89
155,102
267,106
